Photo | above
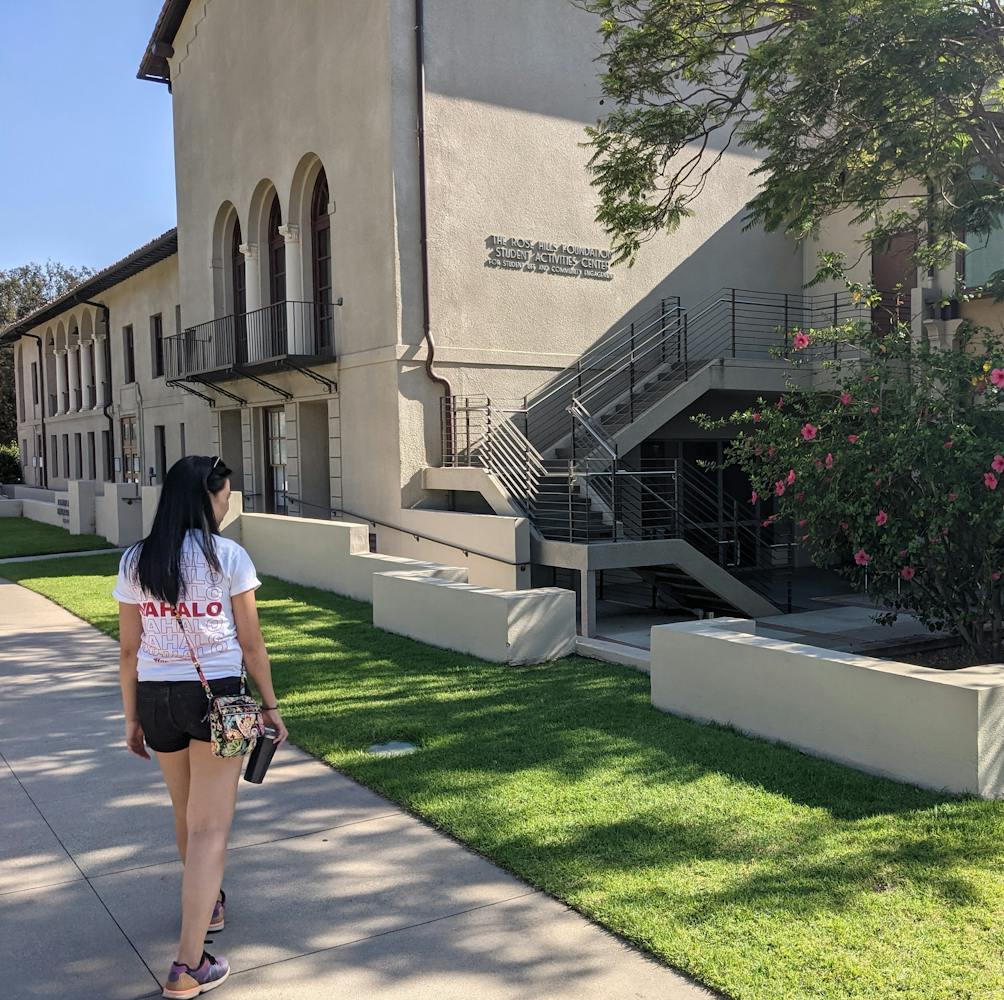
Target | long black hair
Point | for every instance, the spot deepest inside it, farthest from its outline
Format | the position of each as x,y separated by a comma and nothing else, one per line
185,505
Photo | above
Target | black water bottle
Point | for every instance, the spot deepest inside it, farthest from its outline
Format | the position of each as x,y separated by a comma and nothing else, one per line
260,757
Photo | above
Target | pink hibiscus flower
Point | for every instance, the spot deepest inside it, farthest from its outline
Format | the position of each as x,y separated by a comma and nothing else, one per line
875,410
998,463
989,480
952,497
809,432
881,518
862,558
791,477
845,398
844,526
853,438
828,461
997,377
908,572
757,418
801,340
779,488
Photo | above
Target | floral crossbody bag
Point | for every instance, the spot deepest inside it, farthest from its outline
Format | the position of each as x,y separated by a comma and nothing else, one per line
235,720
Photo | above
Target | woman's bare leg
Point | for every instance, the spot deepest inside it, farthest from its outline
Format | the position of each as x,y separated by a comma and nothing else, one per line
175,769
212,795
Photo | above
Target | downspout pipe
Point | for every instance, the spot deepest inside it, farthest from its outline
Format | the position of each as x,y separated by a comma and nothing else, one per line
107,314
41,407
430,354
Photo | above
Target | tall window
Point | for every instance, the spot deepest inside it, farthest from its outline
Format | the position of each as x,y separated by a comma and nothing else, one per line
320,227
276,255
34,382
157,344
54,454
160,452
66,456
78,455
130,451
109,449
184,447
92,457
128,354
237,272
275,460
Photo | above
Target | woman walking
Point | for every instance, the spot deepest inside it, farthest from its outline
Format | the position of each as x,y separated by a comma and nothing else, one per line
185,583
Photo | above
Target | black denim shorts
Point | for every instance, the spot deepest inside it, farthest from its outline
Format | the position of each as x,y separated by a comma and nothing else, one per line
173,713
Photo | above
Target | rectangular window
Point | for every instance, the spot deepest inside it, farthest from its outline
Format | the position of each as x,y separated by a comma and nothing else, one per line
54,455
66,456
24,459
985,256
275,460
157,345
184,450
130,451
109,449
160,452
78,454
128,355
92,458
106,387
34,382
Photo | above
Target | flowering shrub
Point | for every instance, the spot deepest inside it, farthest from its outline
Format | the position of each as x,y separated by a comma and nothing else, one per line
895,473
10,463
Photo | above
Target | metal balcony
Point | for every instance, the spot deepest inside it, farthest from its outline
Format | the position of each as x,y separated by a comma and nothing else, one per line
282,335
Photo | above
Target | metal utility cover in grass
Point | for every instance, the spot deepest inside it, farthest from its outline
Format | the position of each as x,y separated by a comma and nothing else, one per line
395,748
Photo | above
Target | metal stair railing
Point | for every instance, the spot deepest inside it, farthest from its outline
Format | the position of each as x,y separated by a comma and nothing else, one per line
481,434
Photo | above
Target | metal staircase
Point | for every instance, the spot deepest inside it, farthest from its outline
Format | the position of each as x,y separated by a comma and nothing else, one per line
557,451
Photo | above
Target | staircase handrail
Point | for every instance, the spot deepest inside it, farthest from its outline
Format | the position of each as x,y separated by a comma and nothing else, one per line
584,419
609,345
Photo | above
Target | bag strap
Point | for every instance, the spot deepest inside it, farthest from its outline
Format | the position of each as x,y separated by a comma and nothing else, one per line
193,654
195,659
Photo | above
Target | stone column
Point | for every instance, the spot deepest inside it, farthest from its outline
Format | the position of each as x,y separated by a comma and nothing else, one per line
73,375
252,300
85,376
62,406
299,320
100,375
587,603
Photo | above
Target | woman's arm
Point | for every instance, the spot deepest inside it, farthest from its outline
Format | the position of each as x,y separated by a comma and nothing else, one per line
130,633
256,657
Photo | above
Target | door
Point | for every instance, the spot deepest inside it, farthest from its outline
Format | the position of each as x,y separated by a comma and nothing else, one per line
894,273
274,418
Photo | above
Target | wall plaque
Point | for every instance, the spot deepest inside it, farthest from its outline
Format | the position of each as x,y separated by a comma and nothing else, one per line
568,260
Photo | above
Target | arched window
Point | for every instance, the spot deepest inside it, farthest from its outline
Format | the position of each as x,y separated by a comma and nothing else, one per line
276,255
320,226
237,271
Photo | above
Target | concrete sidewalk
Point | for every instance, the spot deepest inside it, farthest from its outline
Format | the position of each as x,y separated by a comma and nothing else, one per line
333,890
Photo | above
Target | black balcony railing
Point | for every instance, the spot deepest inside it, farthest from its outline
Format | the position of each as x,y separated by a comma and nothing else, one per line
281,330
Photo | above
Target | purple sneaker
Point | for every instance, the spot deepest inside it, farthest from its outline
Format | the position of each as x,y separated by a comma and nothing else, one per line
218,921
184,982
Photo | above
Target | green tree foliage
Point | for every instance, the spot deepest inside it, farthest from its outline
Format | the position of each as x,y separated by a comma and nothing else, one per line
22,290
891,108
893,470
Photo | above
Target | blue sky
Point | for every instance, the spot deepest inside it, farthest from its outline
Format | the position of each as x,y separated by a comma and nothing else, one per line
86,149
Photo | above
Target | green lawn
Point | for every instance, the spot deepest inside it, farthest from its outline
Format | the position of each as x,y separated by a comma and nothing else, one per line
763,872
20,536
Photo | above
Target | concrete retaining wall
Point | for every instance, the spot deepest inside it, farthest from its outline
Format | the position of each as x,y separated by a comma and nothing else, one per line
507,626
426,601
118,514
10,508
40,510
332,555
939,729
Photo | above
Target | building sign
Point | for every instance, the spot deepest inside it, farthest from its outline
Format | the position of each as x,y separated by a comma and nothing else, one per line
544,257
63,509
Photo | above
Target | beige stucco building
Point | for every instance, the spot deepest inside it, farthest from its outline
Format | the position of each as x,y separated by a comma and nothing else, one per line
385,203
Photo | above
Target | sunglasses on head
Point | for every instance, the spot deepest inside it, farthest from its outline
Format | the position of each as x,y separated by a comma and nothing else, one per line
216,461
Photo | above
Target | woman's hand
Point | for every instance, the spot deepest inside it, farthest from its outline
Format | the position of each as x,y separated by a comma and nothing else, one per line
274,719
135,740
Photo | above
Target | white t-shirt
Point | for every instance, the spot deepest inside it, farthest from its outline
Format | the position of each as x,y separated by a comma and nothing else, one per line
205,607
